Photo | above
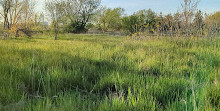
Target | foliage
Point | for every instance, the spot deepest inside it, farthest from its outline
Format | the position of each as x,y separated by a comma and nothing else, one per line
75,27
212,22
111,19
80,12
78,16
130,24
198,20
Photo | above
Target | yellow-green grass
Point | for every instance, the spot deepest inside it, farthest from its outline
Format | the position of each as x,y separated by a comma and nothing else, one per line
99,72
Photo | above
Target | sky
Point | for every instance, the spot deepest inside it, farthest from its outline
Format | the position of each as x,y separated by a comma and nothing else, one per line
165,6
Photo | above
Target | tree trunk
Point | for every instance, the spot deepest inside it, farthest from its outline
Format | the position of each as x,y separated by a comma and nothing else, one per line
104,29
17,33
55,36
55,31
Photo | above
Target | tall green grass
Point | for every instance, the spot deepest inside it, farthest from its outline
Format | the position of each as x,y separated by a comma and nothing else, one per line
99,72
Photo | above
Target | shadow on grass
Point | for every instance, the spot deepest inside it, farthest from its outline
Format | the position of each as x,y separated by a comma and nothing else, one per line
50,73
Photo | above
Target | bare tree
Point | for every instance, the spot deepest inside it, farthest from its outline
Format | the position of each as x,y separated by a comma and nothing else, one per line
72,7
28,13
177,23
55,9
15,12
6,6
22,16
189,7
17,15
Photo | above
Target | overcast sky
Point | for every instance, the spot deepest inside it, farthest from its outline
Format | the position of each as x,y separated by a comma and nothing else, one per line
165,6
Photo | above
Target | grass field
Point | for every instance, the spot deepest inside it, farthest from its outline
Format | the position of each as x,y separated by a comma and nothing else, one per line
103,73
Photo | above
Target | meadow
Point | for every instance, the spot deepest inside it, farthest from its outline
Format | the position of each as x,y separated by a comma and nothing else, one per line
108,73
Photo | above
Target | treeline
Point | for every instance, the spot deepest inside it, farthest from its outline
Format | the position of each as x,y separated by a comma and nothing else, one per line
81,16
189,22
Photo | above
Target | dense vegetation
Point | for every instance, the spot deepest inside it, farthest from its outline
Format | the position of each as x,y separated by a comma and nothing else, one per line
86,72
83,16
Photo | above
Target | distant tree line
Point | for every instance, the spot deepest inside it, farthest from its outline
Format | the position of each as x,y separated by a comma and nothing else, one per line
189,22
80,16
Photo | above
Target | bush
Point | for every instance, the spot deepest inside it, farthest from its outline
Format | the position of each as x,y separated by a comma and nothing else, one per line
76,27
129,23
